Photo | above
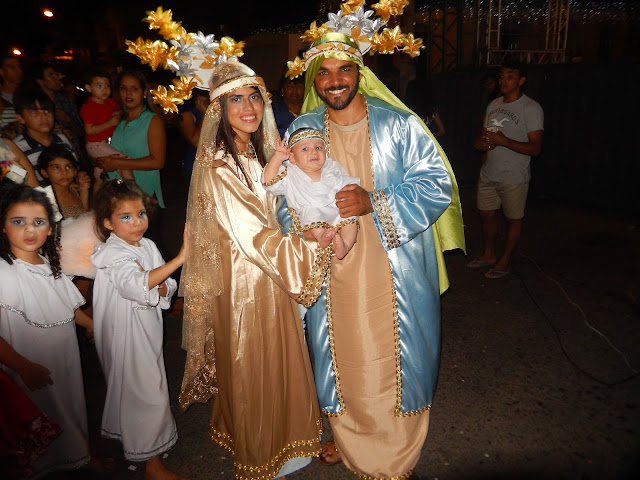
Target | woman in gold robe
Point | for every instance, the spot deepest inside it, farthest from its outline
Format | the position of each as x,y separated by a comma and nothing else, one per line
242,330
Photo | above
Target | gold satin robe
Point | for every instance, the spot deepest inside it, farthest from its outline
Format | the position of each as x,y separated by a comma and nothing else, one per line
244,339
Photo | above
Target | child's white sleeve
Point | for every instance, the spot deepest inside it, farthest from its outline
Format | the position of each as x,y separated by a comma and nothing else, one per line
277,185
172,286
133,284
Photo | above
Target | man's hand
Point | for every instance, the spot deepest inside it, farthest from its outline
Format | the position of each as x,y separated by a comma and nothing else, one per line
353,200
496,138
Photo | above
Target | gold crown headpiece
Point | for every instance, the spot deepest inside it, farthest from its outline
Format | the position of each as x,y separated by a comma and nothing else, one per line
191,56
361,28
304,133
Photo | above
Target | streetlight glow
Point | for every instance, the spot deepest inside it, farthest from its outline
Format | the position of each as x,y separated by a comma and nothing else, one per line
16,51
47,13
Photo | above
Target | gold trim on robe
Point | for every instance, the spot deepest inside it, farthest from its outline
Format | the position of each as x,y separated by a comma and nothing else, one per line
245,344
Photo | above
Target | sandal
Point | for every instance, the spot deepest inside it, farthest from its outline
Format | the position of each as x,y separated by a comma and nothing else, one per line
329,455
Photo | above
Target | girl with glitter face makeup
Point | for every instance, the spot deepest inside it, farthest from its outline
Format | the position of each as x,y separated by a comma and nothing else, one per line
39,310
132,287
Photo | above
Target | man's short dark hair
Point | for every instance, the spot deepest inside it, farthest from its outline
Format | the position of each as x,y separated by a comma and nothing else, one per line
35,71
29,98
515,65
199,92
284,80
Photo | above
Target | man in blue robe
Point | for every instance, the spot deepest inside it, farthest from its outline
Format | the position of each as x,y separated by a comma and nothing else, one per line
374,333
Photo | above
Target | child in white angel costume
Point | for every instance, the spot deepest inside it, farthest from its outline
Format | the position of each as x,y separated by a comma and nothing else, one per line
132,285
39,310
309,183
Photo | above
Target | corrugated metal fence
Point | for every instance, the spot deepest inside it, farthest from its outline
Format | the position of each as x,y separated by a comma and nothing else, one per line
591,145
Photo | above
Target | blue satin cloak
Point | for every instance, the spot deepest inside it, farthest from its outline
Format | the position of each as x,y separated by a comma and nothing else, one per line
413,188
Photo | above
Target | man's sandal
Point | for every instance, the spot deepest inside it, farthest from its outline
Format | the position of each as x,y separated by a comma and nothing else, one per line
330,454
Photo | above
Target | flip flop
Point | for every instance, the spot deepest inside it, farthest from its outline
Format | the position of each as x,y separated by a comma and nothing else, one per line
477,263
492,273
329,454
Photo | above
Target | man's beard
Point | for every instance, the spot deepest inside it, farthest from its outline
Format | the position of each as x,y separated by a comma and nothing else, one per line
339,104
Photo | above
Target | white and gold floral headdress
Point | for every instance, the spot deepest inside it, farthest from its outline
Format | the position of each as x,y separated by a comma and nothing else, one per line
191,56
358,34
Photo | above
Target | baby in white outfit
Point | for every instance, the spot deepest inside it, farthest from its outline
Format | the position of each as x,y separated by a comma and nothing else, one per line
309,183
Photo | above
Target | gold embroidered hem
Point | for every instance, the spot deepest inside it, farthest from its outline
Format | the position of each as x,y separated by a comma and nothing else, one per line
245,338
295,449
201,389
367,477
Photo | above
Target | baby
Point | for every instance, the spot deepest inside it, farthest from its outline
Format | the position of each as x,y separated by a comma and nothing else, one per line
101,114
309,183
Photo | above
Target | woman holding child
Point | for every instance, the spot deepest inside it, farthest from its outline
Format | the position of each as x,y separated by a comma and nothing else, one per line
242,278
140,136
243,334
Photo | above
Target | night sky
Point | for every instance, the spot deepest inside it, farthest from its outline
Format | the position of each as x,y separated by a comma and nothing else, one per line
236,18
75,20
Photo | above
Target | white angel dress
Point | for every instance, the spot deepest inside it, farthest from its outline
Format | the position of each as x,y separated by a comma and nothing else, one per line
313,201
128,332
37,318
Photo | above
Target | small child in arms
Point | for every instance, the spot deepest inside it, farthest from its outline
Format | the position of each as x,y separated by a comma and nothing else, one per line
101,114
309,183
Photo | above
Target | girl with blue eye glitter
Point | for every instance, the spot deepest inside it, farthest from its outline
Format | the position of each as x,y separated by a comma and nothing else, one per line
38,342
131,287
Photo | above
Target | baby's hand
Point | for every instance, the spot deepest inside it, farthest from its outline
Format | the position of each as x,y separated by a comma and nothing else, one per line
282,152
162,289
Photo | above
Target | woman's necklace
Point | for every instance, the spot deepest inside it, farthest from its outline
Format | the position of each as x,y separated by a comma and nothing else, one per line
251,163
248,152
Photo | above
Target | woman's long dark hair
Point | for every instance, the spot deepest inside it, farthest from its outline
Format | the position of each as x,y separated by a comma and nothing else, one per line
144,85
12,194
226,137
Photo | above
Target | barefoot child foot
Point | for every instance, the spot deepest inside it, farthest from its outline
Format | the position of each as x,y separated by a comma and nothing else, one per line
154,469
137,409
323,236
339,247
